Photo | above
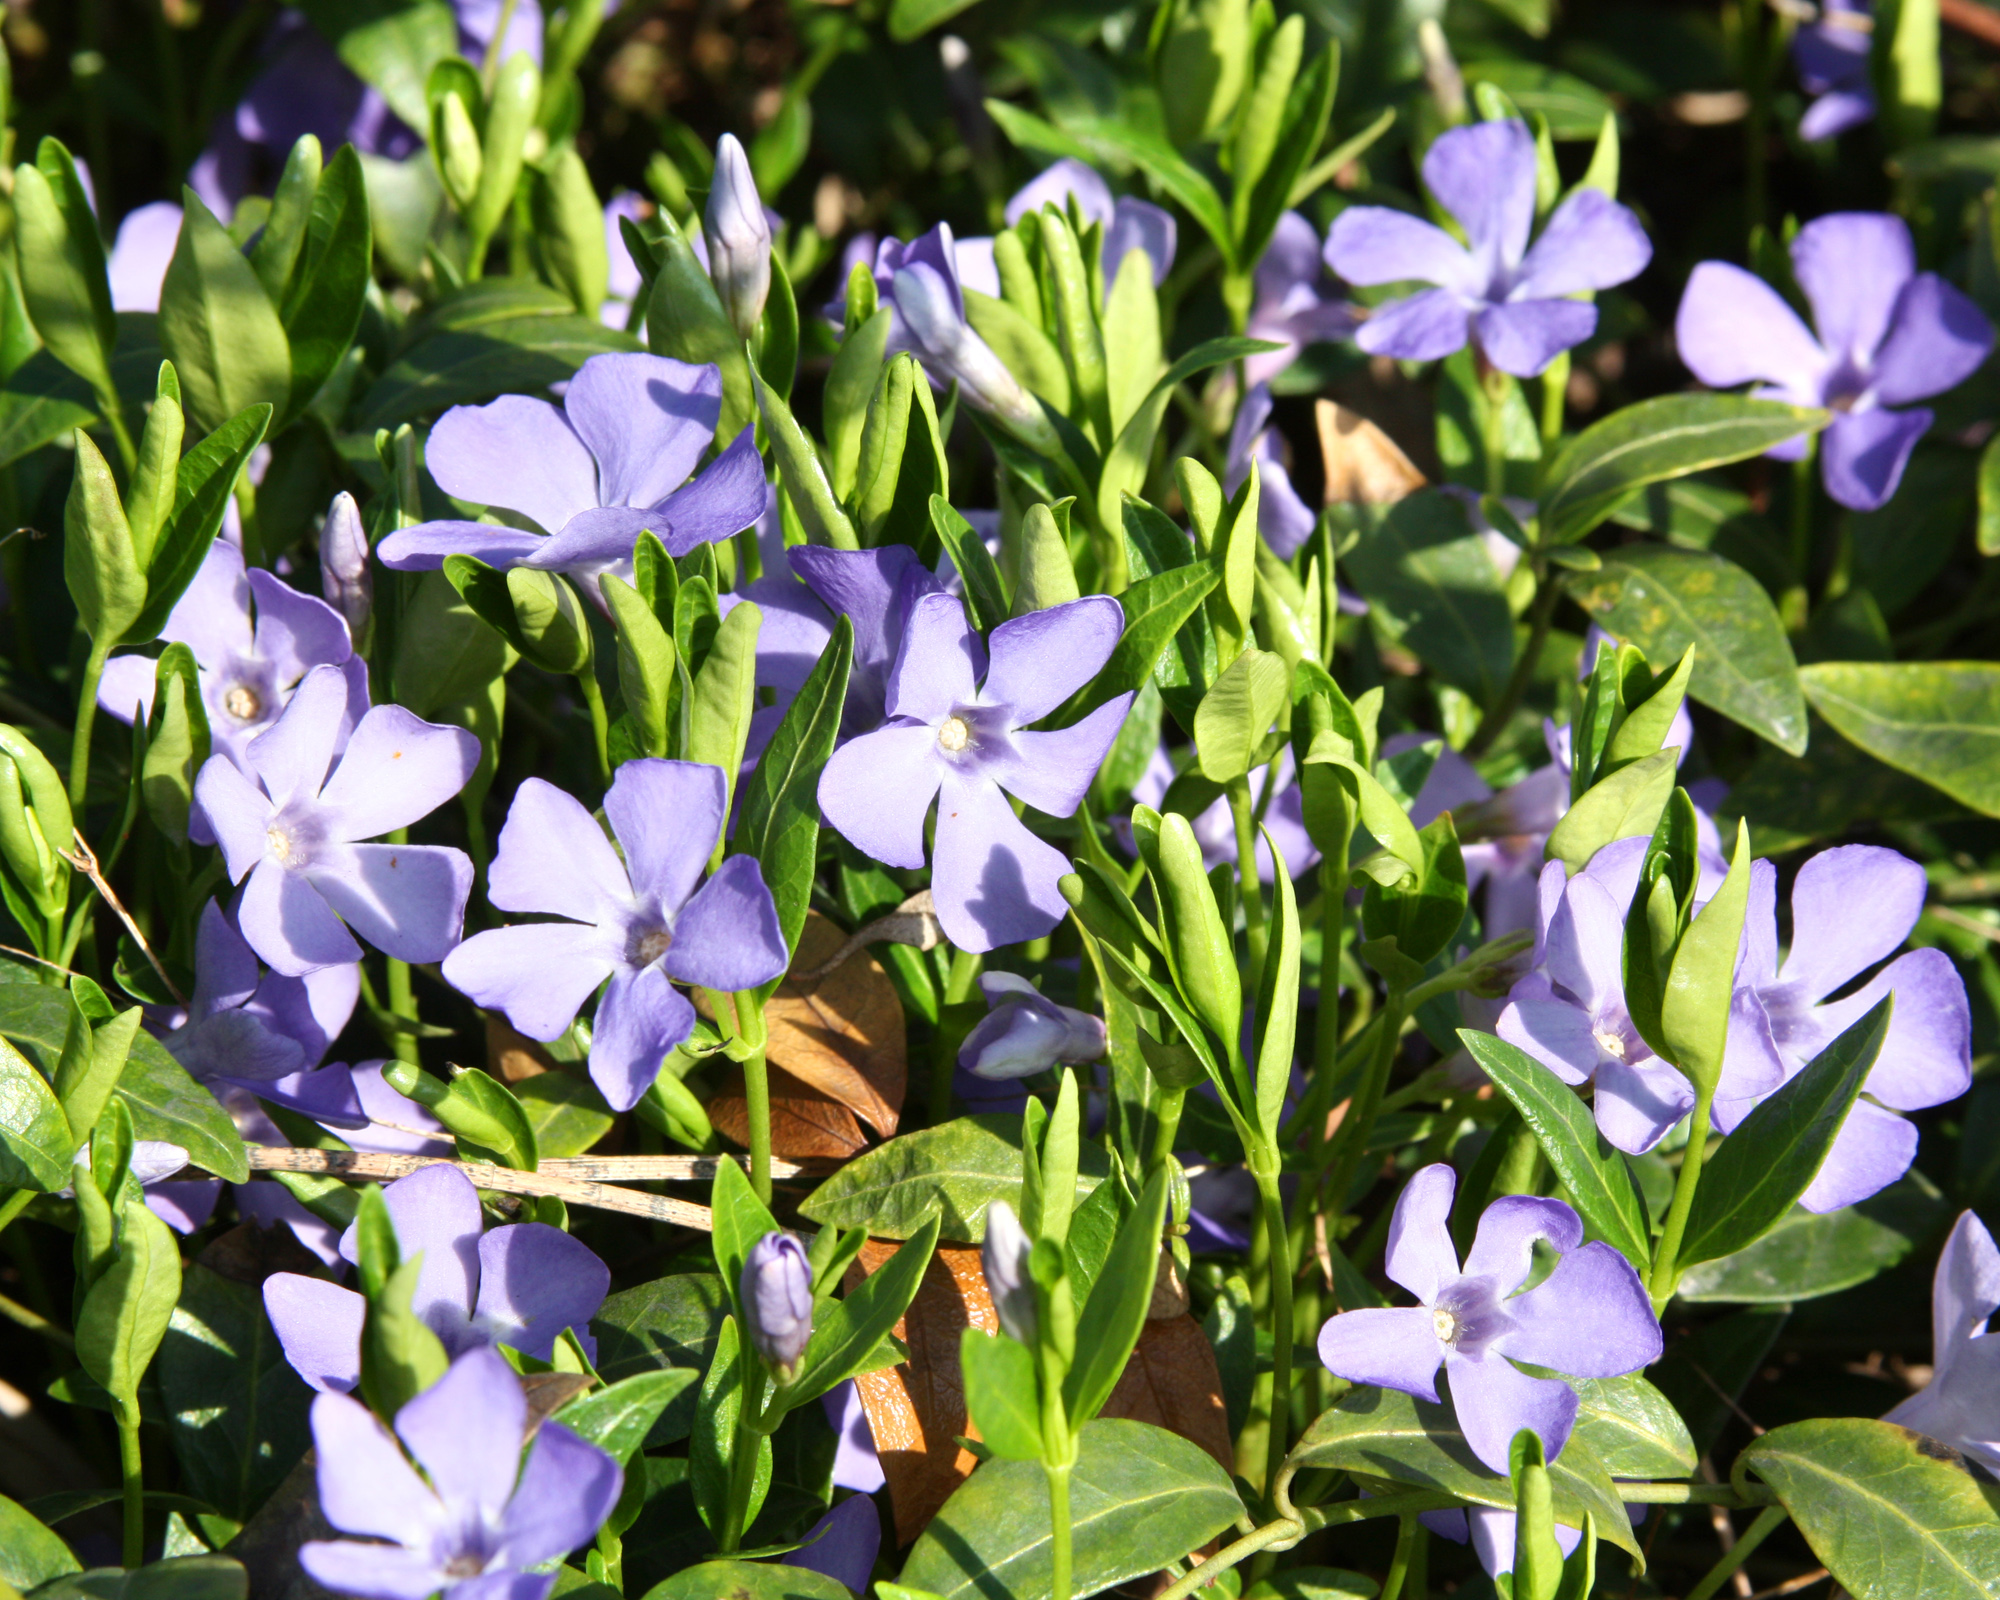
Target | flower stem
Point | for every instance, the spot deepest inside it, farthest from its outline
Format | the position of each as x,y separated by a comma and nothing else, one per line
130,1468
1555,384
402,998
86,719
957,989
14,1205
744,1451
600,725
1408,1531
1769,1520
1498,388
1166,1127
1246,871
1264,1165
756,1092
1059,1531
1548,592
1666,1272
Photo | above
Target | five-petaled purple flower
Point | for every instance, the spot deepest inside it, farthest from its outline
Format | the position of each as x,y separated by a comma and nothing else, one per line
960,731
611,463
1851,907
1129,224
1293,306
477,1521
1589,1318
520,1285
1025,1032
292,826
1512,300
1961,1403
1887,335
642,922
1831,54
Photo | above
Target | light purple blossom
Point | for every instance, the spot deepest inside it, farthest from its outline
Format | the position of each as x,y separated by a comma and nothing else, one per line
1886,335
1129,224
1215,827
961,731
1024,1032
1961,1404
1852,906
874,590
856,1463
520,1285
593,474
1003,1262
1283,517
1590,1317
1492,1533
293,828
777,1294
1294,304
1831,54
1513,301
644,922
137,265
626,280
843,1544
477,1520
344,577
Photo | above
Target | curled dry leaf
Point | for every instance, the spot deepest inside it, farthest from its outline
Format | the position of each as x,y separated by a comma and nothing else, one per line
917,1410
511,1056
1363,464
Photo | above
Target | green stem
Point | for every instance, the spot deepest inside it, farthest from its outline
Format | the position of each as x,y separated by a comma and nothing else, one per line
113,411
1555,384
1359,1125
35,1322
1769,1520
1059,1531
747,1446
1166,1128
600,725
1408,1531
1498,387
131,1470
1264,1165
489,68
756,1092
1332,930
402,998
1666,1272
14,1205
1756,127
958,986
1548,593
1246,872
86,719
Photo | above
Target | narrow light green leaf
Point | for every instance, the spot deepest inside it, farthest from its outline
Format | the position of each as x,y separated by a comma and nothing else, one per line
1625,805
1000,1393
126,1312
1115,1314
218,326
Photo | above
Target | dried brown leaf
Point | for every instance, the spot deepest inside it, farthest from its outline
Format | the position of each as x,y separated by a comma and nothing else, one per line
1363,464
804,1122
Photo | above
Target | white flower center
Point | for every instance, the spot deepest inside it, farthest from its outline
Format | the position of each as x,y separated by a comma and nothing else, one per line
280,843
242,703
1611,1042
1444,1322
955,734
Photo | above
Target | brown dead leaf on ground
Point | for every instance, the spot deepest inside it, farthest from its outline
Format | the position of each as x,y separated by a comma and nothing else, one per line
917,1410
1363,464
804,1122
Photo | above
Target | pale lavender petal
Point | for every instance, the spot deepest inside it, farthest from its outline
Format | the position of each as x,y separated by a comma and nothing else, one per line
646,419
290,758
1041,659
1616,869
1420,1254
641,1017
225,968
1556,1032
128,682
515,452
235,1045
535,1281
508,1585
436,1213
667,815
1052,771
727,936
994,882
728,497
1757,961
465,1432
184,1205
856,1463
319,1325
290,925
1863,453
296,632
1636,1105
1963,1412
1751,1063
593,541
539,973
1852,265
843,1544
407,900
1965,1292
1733,328
1484,175
877,789
422,548
1590,1318
326,1094
1936,340
976,266
377,1571
312,1009
266,1205
568,1488
938,662
1140,225
212,616
1396,1348
365,1484
1592,242
396,769
1495,1400
1372,244
1053,186
1290,261
1424,327
396,1125
1831,940
1504,1247
1872,1150
554,857
794,633
1833,114
1284,519
138,262
1494,1533
869,588
1525,336
1585,944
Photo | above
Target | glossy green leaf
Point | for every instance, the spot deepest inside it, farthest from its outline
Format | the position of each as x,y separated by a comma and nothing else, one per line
218,326
565,1113
1277,997
177,742
62,266
1664,599
35,1139
1313,1583
1001,1393
619,1417
1700,989
804,478
1936,720
725,694
1126,462
850,385
671,1322
714,1440
1236,714
748,1580
740,1220
126,1312
985,591
202,492
1808,1255
202,1577
99,565
847,1334
1626,805
30,1553
1156,609
1139,1498
390,44
1109,1324
320,304
1632,1428
1421,914
41,402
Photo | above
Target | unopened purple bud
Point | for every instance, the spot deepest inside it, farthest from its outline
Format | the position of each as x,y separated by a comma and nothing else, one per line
1026,1033
952,350
1004,1259
738,236
343,564
778,1302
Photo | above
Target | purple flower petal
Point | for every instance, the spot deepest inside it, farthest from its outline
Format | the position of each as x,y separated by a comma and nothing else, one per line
436,1213
186,1204
1041,659
793,634
1830,942
465,1431
516,452
296,632
326,1094
396,769
1484,175
646,419
128,683
877,789
1636,1105
1423,327
554,857
1525,336
1504,1247
1936,340
290,925
225,968
727,936
1420,1254
423,548
593,541
1926,1056
1373,244
843,1544
365,1485
396,1125
729,496
1395,1348
1053,186
139,258
641,1017
291,757
1585,938
567,1490
1494,1534
1863,453
1592,242
856,1465
1496,1400
1052,771
938,663
312,1009
1833,114
1852,265
407,900
1554,1031
377,1571
667,815
1733,327
1590,1318
319,1325
873,589
1140,225
1964,1294
1872,1150
212,616
535,1281
539,973
993,881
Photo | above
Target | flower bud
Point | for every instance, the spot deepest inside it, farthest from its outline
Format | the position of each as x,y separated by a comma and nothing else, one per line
930,309
457,145
738,236
1004,1259
343,564
1026,1033
778,1302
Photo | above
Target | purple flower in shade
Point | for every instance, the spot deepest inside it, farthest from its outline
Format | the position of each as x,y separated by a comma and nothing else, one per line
1283,518
138,262
777,1294
611,462
292,826
1831,54
1492,1534
1887,335
874,590
518,1285
1590,1317
1024,1033
1215,828
856,1463
960,731
1961,1404
1851,907
643,922
626,280
1003,1262
1293,307
477,1520
843,1544
1513,301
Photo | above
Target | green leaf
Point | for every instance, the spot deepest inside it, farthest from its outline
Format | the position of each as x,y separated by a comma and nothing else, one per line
1594,1175
126,1312
911,19
1891,1513
985,593
1385,1434
1936,720
1000,1393
1775,1152
177,742
1126,462
1632,1428
218,326
1421,915
1436,590
62,266
320,307
35,1139
100,567
1132,344
178,1578
804,479
646,662
483,1115
390,44
1156,609
850,1331
1664,599
748,1580
1313,1583
1625,805
41,402
685,320
1989,499
1115,1314
1139,1498
1811,1254
714,1439
1667,437
202,493
29,1552
1695,1009
619,1417
725,694
1238,711
1277,998
669,1323
741,1219
954,1170
850,385
565,1113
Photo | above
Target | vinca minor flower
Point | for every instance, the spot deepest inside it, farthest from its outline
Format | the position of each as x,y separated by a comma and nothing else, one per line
478,1520
1887,334
1590,1317
1293,307
1512,300
1025,1033
343,564
1961,1403
1283,518
1831,54
518,1285
958,731
1129,224
778,1302
643,922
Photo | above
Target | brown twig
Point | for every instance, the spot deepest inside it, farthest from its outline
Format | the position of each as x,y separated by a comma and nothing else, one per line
1969,16
40,961
1805,1580
913,923
82,859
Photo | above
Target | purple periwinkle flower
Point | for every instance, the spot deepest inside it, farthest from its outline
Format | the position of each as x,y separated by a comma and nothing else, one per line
518,1285
959,731
1129,224
1831,54
738,237
1492,1533
644,922
857,1464
343,564
1215,828
843,1544
137,265
1003,1259
777,1297
626,280
1887,334
608,464
873,589
293,827
1513,301
1851,907
1283,517
1024,1032
477,1520
1961,1404
1294,304
1590,1317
